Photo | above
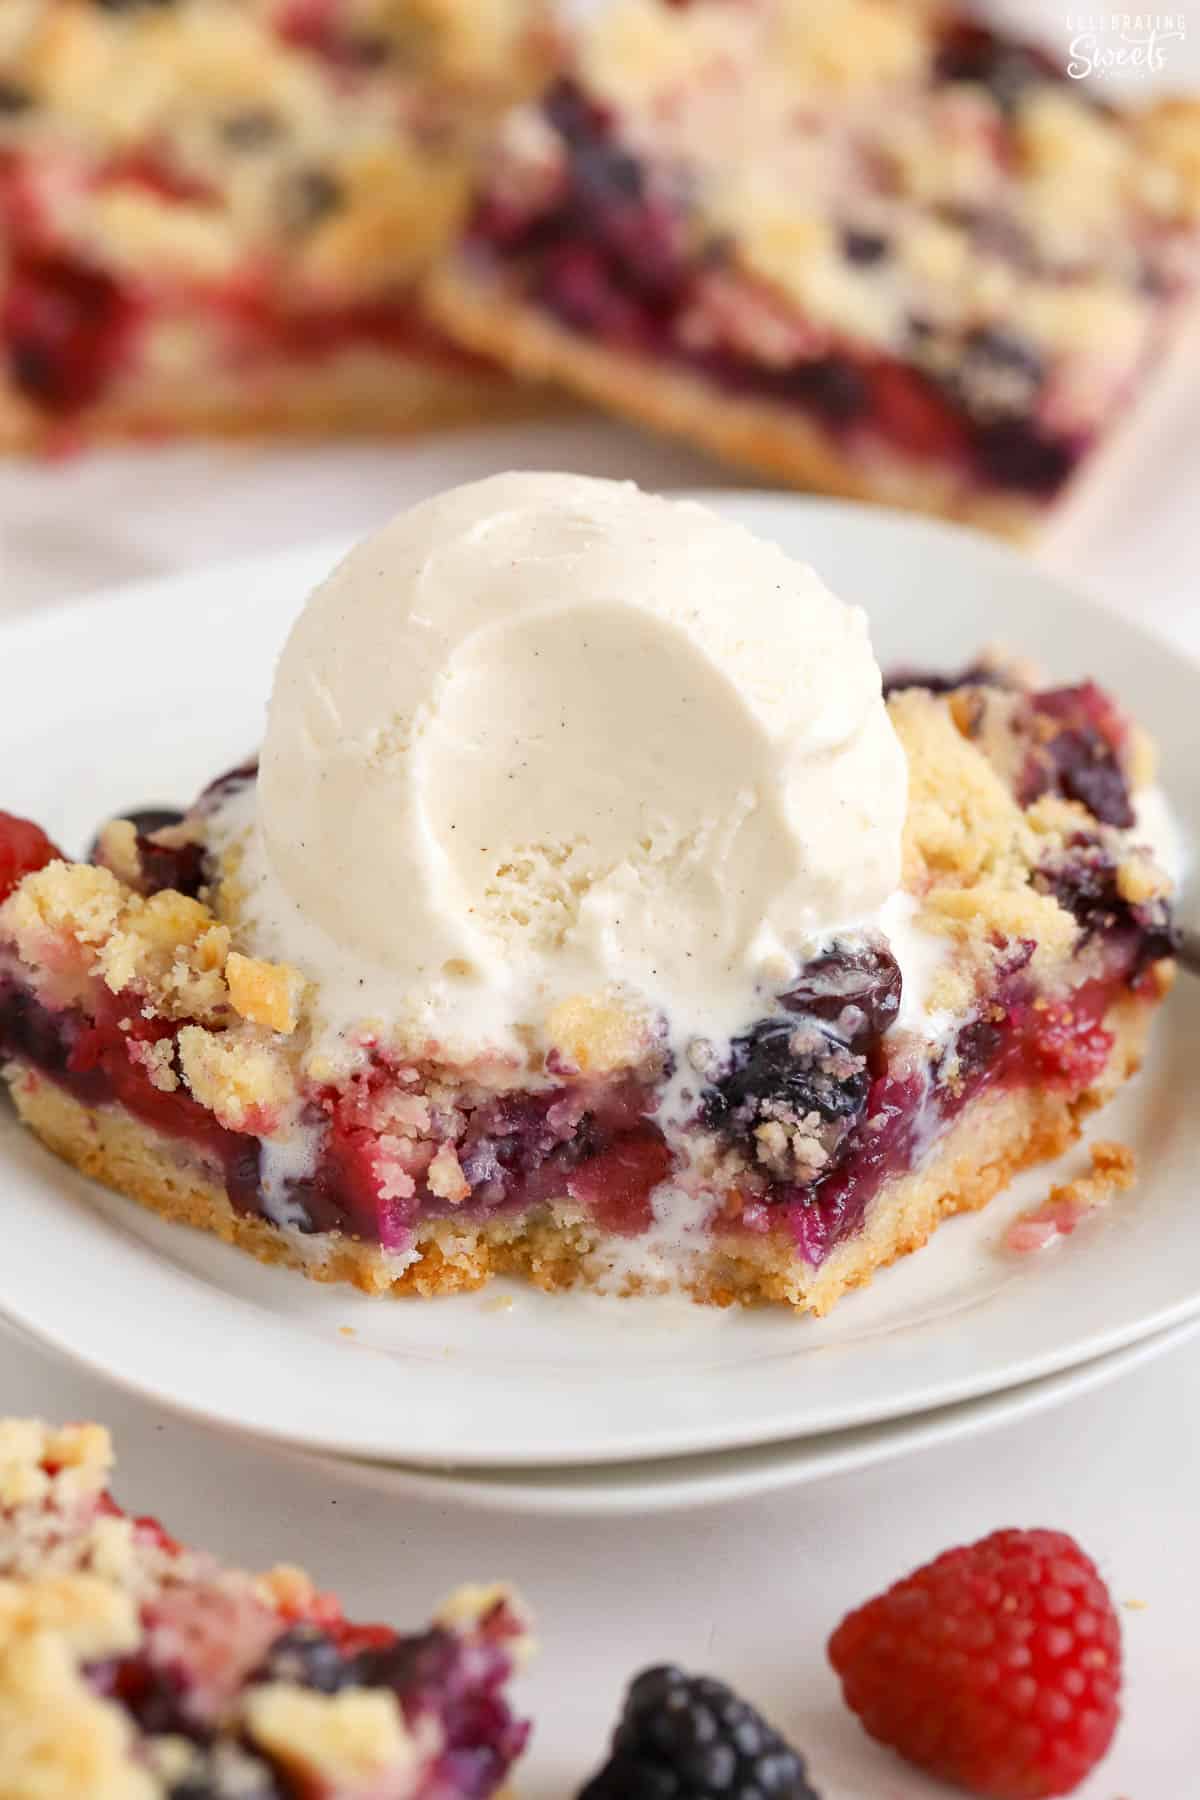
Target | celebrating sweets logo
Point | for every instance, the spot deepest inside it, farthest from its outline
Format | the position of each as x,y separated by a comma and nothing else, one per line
1120,44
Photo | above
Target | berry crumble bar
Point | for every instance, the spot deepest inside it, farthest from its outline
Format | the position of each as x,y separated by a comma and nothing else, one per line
144,1040
214,213
132,1668
870,247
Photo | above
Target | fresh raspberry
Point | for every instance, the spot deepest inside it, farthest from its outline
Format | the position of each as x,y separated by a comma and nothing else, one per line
24,847
997,1666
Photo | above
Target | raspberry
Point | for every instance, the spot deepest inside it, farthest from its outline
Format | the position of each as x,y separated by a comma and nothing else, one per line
687,1737
24,847
997,1666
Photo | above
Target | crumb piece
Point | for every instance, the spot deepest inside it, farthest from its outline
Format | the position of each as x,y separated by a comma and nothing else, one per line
286,1588
117,850
350,1739
1113,1170
467,1608
157,1057
1135,1605
1139,879
347,1331
445,1176
263,992
596,1035
239,1078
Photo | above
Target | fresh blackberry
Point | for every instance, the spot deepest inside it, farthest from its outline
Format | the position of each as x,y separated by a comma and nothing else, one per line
307,1657
688,1737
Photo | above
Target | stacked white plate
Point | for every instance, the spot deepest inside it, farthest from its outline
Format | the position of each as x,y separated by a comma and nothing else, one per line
574,1404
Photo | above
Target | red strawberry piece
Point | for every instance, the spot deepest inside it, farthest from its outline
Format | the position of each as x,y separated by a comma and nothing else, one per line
996,1667
24,847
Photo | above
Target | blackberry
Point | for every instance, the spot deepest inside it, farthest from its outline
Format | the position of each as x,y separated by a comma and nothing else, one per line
307,1657
688,1737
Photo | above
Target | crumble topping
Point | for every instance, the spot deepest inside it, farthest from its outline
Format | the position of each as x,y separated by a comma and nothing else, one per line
264,993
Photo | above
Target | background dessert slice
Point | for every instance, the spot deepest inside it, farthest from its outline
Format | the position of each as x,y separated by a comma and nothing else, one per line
214,214
872,248
135,1668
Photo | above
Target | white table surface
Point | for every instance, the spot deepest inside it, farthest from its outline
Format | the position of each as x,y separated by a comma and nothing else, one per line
747,1592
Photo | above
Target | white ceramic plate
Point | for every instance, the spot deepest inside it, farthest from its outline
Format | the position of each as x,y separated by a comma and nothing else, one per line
145,696
685,1483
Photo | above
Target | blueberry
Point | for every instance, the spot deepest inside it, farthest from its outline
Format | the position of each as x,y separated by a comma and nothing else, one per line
864,247
855,992
1076,742
308,196
1083,879
14,98
831,385
251,129
974,675
1013,453
685,1737
307,1657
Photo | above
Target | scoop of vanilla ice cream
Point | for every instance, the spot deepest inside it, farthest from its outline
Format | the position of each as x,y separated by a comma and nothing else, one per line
544,735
